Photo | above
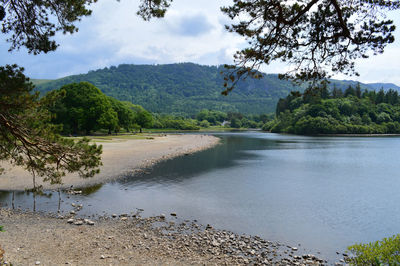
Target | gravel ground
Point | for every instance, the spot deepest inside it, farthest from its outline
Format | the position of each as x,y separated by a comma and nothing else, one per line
128,239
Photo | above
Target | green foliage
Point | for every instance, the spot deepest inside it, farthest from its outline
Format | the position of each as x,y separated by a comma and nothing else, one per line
153,8
181,89
315,112
383,252
313,37
208,118
1,228
174,122
125,113
28,139
204,124
213,117
187,89
143,118
83,108
27,23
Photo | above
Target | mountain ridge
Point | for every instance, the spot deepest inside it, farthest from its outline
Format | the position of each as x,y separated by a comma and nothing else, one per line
186,88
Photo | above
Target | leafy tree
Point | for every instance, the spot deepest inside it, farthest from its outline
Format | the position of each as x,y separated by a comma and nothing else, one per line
28,139
83,108
380,97
143,118
350,115
204,124
153,8
349,91
358,90
28,23
126,116
314,36
236,122
337,93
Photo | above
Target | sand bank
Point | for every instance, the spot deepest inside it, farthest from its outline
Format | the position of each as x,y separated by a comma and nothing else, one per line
120,157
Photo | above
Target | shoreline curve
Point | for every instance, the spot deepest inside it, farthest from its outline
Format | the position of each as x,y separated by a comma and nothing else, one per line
120,157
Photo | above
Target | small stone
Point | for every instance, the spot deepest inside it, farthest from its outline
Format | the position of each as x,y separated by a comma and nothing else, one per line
70,221
114,215
294,248
78,223
252,252
102,257
124,215
73,204
72,212
173,214
124,218
37,263
162,216
89,222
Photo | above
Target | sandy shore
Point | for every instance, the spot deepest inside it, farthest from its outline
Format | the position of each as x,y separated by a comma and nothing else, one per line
120,156
128,239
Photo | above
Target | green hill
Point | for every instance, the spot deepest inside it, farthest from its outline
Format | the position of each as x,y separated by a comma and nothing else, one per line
37,82
184,88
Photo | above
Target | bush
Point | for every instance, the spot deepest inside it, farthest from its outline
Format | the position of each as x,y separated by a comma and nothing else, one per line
385,251
205,123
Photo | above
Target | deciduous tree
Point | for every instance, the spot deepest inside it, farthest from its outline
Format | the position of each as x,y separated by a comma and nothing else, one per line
28,139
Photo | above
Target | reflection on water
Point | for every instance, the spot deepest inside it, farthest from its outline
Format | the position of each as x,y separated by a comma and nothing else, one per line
324,193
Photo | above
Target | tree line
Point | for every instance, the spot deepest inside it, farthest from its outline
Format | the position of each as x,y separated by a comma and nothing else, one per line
323,111
81,108
231,119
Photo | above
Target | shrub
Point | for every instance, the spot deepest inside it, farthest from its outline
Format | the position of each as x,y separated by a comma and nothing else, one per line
383,252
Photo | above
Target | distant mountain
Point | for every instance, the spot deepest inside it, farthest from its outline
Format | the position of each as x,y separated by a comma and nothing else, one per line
185,88
384,86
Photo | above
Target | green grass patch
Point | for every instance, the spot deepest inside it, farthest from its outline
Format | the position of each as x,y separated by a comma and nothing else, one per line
118,138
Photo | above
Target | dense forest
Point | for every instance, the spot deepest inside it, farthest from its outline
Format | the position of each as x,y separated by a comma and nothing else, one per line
185,89
82,109
324,111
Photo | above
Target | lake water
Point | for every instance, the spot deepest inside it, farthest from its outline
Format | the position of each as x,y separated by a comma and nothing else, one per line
324,193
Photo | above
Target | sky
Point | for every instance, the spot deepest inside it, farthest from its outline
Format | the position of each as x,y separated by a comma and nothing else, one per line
192,31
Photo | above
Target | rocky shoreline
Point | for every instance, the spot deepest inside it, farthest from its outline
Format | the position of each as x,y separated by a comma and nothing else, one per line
129,239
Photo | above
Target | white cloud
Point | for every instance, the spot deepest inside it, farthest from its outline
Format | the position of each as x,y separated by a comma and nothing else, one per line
187,33
192,31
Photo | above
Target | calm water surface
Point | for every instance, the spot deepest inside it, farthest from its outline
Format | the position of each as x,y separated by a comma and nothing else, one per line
324,193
